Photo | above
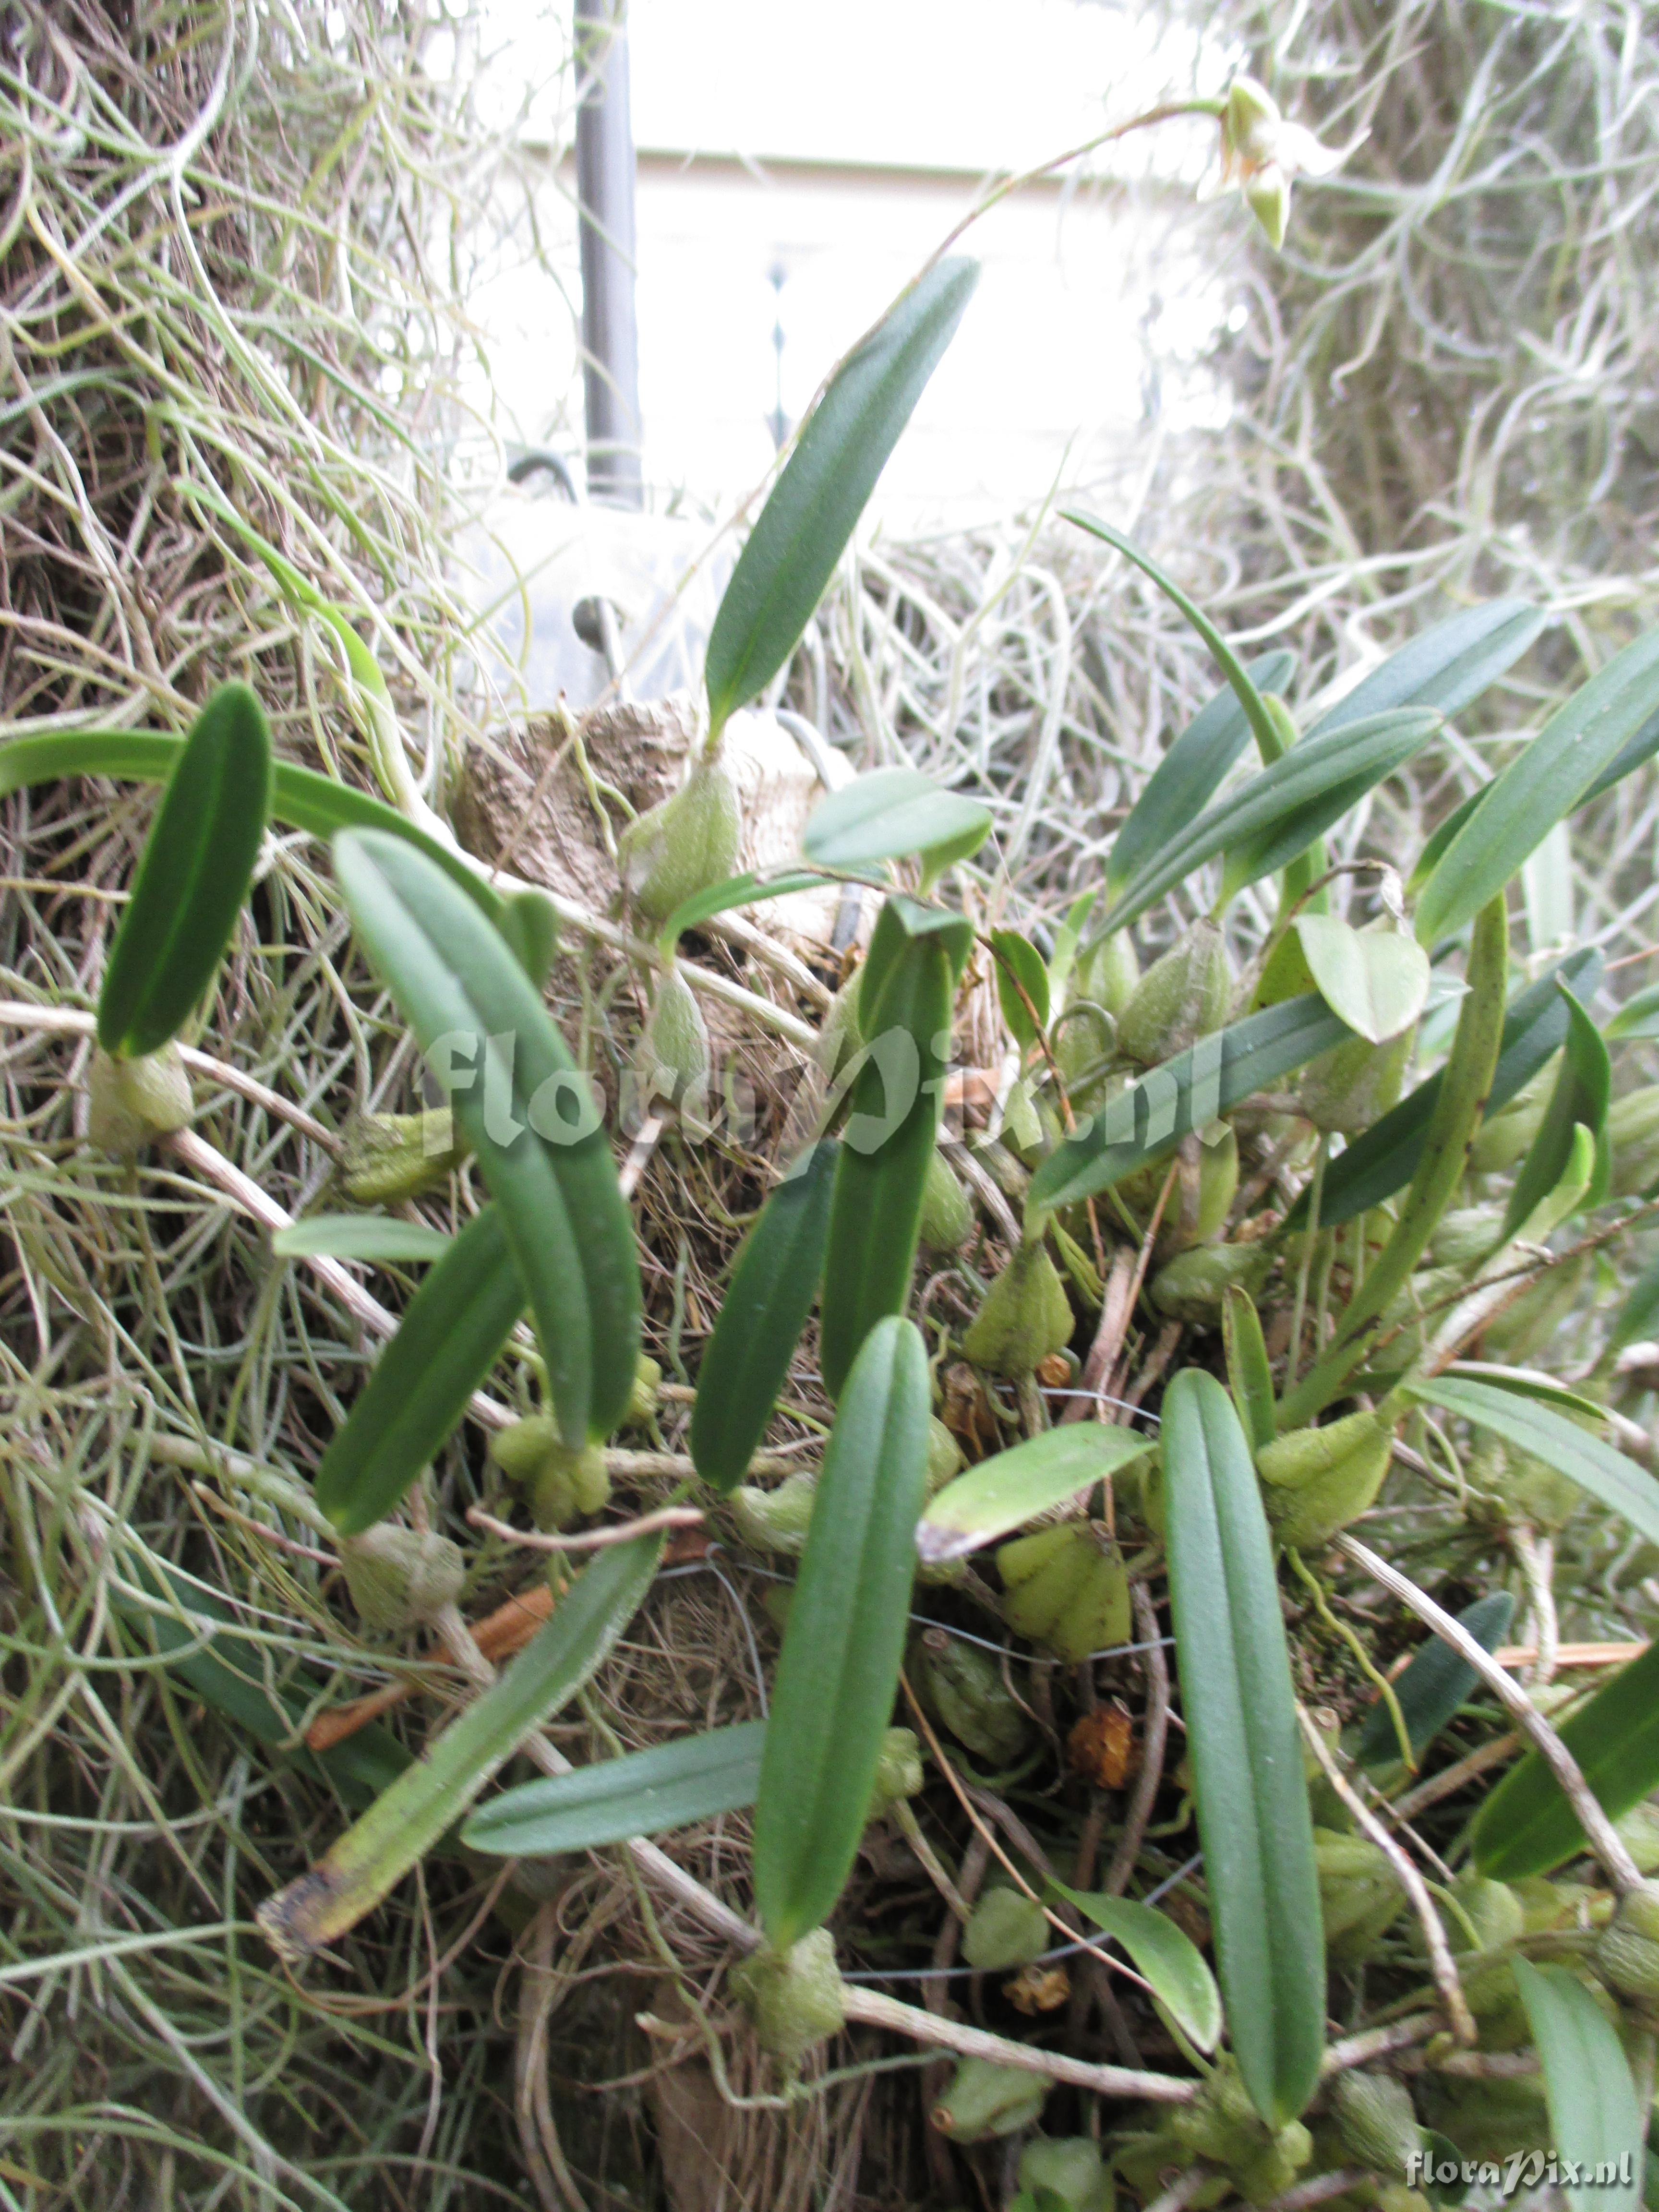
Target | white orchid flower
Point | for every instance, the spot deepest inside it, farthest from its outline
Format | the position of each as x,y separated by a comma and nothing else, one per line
1262,154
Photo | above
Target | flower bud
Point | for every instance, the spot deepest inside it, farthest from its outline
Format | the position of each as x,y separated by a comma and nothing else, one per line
1634,1134
399,1576
1107,972
1627,1950
1025,1316
1181,998
1492,1908
1070,2167
1355,1083
1268,196
1532,1490
1193,1286
387,1157
776,1520
1376,2121
1269,2171
962,1685
643,1398
1066,1587
947,1212
1084,1043
984,2100
1251,122
945,1460
685,843
560,1484
793,1998
1360,1895
898,1772
1316,1481
1004,1930
132,1103
672,1059
1639,1832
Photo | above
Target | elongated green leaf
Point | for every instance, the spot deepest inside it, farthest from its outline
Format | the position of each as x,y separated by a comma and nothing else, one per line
530,922
1280,813
1458,1107
1526,1827
1639,1317
407,1820
1635,753
875,1216
1384,1159
1170,1960
528,1113
299,796
1607,1475
643,1793
1249,1374
1186,1093
1375,980
1445,668
1581,1095
1020,969
1245,1751
446,1344
1540,788
1597,2126
892,811
1637,1020
1190,774
1434,1684
801,533
774,1281
746,889
1244,689
192,876
840,1663
1429,858
1067,938
1527,1382
242,1680
373,1237
1013,1487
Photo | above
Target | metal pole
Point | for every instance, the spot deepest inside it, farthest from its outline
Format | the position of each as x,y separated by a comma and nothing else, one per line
604,192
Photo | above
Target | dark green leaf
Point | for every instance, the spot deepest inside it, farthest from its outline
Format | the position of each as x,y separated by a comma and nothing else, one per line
1429,858
1582,1091
1445,668
1434,1684
1020,969
746,889
1540,788
1532,1427
1597,2120
1169,1958
529,923
1384,1159
833,1698
1634,754
774,1281
843,448
192,876
1013,1487
1190,774
643,1793
1250,1373
373,1237
528,1113
889,812
407,1820
1186,1093
1244,1749
446,1344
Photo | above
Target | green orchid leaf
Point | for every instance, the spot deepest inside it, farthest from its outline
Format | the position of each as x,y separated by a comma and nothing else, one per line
1021,969
1249,1372
875,1218
1068,939
1170,1961
643,1793
526,1108
1635,752
405,1821
1596,2122
1581,1096
1526,1827
1637,1020
1637,1319
1435,1683
1278,814
746,889
377,1238
1376,980
1384,1159
889,813
1534,1427
774,1281
529,921
1527,1382
446,1344
1429,858
1186,1093
1190,774
811,510
1540,788
1446,667
192,877
1013,1487
1244,1749
839,1667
